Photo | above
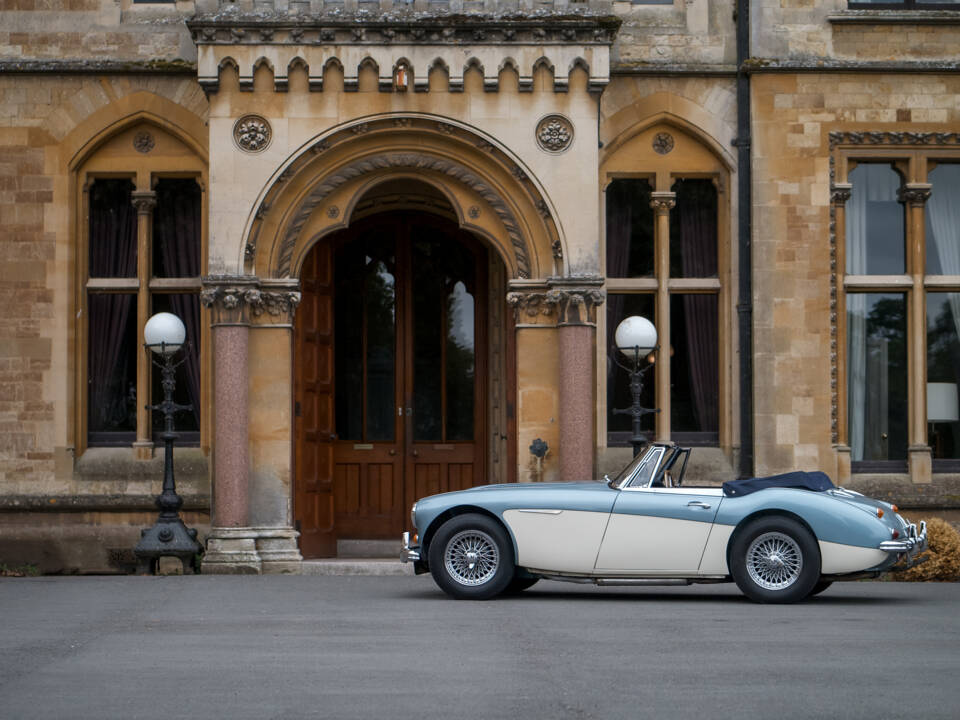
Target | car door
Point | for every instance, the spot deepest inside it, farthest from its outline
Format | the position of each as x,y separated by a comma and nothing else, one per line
661,531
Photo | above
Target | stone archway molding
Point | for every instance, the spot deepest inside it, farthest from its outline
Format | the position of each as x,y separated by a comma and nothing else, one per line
403,161
444,151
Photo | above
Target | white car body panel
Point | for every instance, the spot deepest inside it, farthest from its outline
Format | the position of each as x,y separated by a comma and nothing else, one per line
836,558
558,540
714,561
639,543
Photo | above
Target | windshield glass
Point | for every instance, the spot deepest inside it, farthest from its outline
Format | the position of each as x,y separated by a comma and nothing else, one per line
641,468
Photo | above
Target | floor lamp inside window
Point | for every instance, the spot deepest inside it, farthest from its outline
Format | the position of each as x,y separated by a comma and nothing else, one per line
941,408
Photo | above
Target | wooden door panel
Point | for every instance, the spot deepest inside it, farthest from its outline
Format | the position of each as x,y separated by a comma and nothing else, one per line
314,420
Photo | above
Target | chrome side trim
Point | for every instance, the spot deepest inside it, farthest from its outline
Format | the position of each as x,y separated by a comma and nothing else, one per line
630,581
407,553
539,512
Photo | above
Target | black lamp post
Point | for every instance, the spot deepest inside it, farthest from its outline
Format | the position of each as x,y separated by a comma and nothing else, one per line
164,334
636,337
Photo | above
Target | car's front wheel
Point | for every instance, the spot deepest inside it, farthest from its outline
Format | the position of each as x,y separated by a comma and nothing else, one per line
775,560
471,557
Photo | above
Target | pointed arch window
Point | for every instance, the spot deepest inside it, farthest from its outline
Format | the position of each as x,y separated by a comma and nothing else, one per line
140,251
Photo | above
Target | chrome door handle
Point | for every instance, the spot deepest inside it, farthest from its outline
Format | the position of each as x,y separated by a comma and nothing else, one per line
697,503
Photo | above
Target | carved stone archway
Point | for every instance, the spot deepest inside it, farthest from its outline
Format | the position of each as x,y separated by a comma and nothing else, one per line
491,192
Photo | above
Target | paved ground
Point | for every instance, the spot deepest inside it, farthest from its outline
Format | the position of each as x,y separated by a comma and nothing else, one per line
394,647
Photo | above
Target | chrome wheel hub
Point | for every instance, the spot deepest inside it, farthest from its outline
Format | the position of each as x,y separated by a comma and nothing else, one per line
471,557
774,561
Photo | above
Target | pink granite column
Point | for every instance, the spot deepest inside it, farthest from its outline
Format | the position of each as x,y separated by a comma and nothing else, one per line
576,402
230,460
577,301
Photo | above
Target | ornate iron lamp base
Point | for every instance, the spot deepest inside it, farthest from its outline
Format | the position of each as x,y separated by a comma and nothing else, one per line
167,538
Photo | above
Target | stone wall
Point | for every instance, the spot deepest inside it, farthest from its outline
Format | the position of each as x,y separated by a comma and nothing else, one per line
785,31
95,30
793,116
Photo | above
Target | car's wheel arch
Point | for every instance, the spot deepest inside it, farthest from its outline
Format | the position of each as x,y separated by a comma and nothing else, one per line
453,512
767,512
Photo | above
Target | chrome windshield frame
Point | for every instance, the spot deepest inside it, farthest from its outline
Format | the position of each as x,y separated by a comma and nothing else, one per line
655,454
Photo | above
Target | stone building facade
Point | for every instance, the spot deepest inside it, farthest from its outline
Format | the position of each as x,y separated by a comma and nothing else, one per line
402,234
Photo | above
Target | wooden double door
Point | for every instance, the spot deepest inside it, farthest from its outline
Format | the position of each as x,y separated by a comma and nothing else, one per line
390,369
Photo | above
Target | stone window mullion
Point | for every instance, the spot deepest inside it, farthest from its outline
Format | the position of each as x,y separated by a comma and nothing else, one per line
662,203
144,201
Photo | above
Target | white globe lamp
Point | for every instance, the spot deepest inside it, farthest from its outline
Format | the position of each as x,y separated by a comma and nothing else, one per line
636,335
164,333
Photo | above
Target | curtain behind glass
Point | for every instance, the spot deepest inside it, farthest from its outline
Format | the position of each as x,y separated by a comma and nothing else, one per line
113,254
870,183
943,227
176,238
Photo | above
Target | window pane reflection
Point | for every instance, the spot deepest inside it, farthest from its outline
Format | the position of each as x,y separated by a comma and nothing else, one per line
365,328
112,369
629,229
877,376
875,220
943,373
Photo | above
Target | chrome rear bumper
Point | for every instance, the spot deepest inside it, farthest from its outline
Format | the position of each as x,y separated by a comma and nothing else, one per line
408,553
914,542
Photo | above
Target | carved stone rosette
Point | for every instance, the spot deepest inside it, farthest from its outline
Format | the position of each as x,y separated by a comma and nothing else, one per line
554,133
240,300
252,133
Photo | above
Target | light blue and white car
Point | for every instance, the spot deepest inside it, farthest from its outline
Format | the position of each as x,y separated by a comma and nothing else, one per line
780,539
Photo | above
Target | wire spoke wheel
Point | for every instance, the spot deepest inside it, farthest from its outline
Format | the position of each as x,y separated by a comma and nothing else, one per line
774,561
471,557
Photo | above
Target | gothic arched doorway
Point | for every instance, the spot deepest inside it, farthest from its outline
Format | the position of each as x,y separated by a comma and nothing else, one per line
392,374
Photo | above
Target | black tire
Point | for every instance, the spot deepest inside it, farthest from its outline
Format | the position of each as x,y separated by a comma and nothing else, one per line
481,576
775,559
820,587
519,584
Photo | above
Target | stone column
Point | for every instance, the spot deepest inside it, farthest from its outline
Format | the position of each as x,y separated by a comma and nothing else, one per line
271,430
662,203
915,196
231,547
577,301
144,201
839,412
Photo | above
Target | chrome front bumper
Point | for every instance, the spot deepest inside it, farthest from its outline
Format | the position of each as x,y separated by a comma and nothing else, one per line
914,542
408,553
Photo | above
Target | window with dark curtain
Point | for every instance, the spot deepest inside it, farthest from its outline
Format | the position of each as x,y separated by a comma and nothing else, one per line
619,397
112,317
629,229
176,254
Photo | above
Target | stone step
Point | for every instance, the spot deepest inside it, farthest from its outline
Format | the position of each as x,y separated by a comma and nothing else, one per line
368,548
356,566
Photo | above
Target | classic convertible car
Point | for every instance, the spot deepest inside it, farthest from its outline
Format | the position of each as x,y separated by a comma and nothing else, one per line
781,539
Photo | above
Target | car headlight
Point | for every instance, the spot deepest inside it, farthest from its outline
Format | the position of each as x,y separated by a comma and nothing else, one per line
413,516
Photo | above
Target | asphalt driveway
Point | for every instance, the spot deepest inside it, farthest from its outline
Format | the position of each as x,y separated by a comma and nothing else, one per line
395,647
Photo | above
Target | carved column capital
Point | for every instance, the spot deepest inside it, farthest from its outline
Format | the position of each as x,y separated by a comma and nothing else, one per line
532,306
230,298
577,299
840,193
144,201
278,301
663,202
915,194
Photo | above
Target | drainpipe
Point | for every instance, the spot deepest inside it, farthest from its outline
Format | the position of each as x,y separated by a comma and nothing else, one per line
745,208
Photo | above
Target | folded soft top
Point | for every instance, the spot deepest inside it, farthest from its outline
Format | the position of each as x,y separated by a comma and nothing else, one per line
798,479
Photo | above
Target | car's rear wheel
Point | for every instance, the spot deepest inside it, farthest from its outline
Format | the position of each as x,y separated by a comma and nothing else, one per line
471,557
775,560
